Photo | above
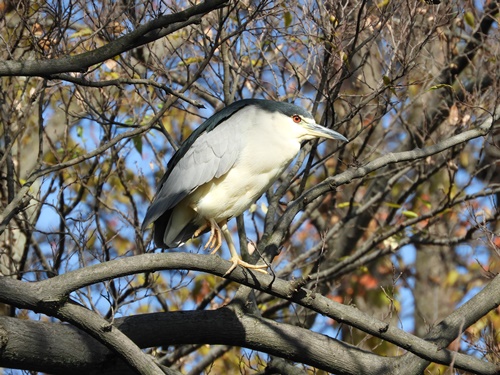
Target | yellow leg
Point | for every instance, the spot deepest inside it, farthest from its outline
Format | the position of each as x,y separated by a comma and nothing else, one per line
235,258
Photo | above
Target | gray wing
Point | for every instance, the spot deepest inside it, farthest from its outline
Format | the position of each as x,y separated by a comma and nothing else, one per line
210,156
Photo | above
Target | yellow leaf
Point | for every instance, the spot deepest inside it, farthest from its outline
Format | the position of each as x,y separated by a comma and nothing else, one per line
464,159
426,203
452,277
83,32
191,60
440,86
334,20
112,75
346,204
410,214
392,205
288,19
469,19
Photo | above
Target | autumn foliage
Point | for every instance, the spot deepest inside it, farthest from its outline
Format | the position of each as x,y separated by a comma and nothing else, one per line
383,252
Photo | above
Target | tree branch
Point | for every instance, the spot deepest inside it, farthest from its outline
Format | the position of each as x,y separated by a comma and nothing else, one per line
151,31
34,295
222,326
23,195
37,300
455,324
355,173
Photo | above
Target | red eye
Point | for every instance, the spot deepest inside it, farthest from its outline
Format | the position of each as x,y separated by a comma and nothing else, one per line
296,118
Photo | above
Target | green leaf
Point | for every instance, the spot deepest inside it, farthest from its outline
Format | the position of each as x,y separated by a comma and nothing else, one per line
410,214
392,205
346,204
440,86
138,143
426,203
191,60
288,19
83,32
79,131
469,19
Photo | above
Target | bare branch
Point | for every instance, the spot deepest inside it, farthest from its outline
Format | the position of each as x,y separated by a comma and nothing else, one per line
40,294
151,31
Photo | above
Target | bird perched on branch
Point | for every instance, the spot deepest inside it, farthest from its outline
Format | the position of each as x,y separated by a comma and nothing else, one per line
224,166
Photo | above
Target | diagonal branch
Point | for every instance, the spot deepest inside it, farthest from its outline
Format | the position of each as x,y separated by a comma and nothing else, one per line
149,32
222,327
34,295
355,173
23,195
455,324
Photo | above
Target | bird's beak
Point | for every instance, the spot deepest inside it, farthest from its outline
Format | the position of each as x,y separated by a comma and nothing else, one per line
320,131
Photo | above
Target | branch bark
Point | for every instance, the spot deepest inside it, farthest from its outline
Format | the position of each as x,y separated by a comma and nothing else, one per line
149,32
37,296
54,344
36,299
23,195
454,324
354,173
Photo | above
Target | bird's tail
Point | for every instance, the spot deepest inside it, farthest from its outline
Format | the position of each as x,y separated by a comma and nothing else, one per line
173,229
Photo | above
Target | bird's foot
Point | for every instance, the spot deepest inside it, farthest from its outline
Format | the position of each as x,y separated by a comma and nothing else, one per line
215,240
200,230
237,261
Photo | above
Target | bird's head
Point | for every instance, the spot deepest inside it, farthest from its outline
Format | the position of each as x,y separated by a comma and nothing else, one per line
300,121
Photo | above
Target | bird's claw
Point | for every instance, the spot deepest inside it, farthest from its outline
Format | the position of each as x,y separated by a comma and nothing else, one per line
215,240
237,261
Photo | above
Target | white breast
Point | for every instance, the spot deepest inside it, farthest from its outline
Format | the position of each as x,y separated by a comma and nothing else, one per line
269,149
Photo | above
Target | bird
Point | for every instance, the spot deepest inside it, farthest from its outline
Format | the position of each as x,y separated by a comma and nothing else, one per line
223,167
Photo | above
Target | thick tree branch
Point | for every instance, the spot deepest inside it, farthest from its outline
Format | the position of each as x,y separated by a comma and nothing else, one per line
35,295
34,298
223,327
151,31
455,324
106,333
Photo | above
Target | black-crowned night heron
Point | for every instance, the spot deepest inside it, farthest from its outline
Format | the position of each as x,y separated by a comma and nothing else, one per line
224,166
